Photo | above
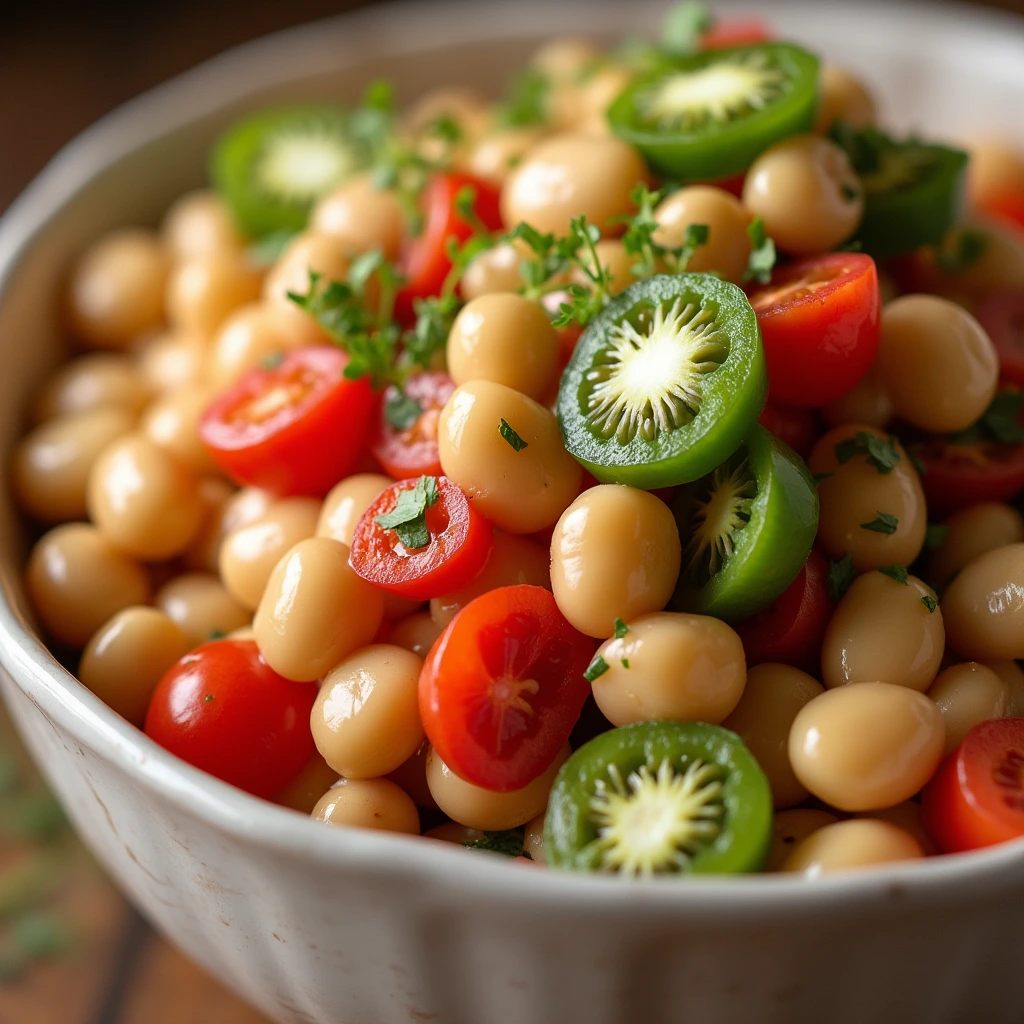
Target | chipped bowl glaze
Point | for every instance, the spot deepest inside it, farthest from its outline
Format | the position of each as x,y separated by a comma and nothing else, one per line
347,927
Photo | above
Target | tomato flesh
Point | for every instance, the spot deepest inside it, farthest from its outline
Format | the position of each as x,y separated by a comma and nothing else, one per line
223,709
1002,316
797,427
727,32
503,687
460,541
976,798
295,428
792,629
957,475
820,325
413,451
1006,206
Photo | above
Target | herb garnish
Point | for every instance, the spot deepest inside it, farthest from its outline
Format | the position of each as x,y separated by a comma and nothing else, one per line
508,843
516,443
840,575
409,517
621,629
880,452
762,254
882,523
895,572
596,669
929,602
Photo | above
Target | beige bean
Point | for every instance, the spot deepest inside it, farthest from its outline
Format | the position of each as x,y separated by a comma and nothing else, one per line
170,361
494,156
368,803
494,270
202,553
906,816
614,260
346,502
967,694
792,827
995,171
565,59
844,97
972,532
866,403
101,380
856,843
249,338
773,696
533,839
1013,676
172,423
303,793
200,607
984,606
868,746
203,291
200,223
77,580
416,633
127,656
411,775
454,833
361,216
615,553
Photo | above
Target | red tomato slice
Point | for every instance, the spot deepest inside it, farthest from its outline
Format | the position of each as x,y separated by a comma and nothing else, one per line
413,451
503,687
424,261
797,427
792,629
976,798
1002,316
223,709
957,475
820,324
460,541
726,32
1007,207
295,428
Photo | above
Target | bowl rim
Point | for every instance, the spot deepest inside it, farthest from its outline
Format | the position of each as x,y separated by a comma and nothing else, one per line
56,694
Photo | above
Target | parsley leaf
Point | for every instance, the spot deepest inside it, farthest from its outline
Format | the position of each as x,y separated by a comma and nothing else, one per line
683,26
895,572
762,254
882,523
508,843
964,249
1003,417
819,477
528,100
408,518
929,602
625,662
935,536
880,452
840,575
596,669
516,443
272,360
401,410
621,629
266,251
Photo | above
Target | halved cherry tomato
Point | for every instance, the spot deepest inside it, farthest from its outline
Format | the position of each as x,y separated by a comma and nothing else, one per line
1002,316
819,321
1007,207
294,428
976,798
957,475
424,260
413,451
459,542
797,427
223,709
727,32
568,335
792,629
503,686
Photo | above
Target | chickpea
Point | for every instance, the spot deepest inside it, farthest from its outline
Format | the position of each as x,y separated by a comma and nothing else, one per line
518,491
102,380
598,90
617,263
565,59
883,631
533,839
569,175
116,292
481,808
368,803
856,843
936,363
844,97
366,719
791,828
454,833
128,656
77,579
415,633
205,290
984,606
995,171
170,361
199,224
411,775
143,500
51,464
615,553
361,216
315,611
906,816
727,249
249,553
684,667
506,339
763,718
303,793
494,270
972,532
866,403
868,746
807,193
226,509
494,156
1013,677
345,504
467,109
246,340
172,423
200,607
855,491
967,694
513,560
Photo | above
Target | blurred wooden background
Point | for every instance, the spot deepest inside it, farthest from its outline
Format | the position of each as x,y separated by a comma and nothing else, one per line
71,950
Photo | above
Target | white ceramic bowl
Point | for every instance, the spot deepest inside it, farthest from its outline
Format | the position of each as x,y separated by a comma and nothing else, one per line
322,925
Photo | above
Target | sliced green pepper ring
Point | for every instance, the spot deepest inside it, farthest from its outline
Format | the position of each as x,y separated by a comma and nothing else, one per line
913,192
711,115
660,798
665,383
746,529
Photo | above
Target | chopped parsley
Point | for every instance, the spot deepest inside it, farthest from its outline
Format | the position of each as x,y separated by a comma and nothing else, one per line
683,26
208,698
882,523
819,477
409,517
880,452
762,254
638,239
508,843
596,669
621,629
527,102
401,410
272,360
840,575
962,251
935,536
625,662
929,602
1002,418
515,442
895,572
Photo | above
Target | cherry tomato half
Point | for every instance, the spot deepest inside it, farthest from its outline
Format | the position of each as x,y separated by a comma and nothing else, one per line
503,686
459,541
727,32
957,475
424,260
976,798
223,709
792,629
819,321
797,427
1002,316
294,428
1007,207
413,451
